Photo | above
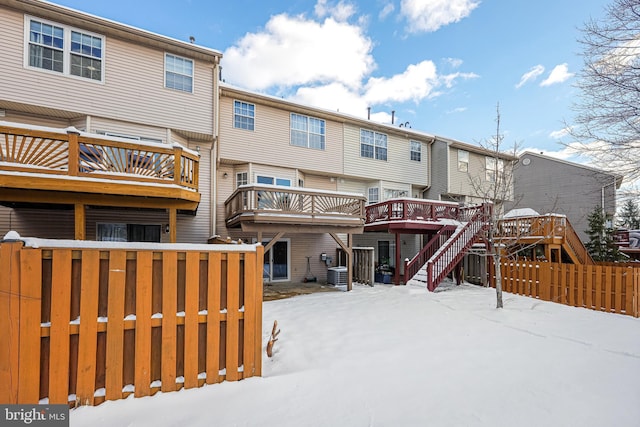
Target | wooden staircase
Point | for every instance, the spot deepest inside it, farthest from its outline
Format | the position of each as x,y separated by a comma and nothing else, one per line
447,248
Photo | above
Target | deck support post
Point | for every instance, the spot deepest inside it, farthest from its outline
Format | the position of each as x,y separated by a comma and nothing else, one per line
173,225
80,221
396,274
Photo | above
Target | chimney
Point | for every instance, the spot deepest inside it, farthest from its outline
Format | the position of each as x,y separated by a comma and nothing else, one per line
393,116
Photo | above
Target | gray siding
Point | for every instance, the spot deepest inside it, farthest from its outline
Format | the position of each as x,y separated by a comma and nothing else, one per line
439,171
553,186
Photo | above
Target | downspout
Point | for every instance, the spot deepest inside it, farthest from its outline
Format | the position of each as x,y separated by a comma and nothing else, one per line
214,154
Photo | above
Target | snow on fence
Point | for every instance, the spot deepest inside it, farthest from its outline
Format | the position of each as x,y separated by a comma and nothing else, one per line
614,289
84,324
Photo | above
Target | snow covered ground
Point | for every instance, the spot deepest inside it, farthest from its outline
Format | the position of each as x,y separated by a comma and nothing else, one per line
401,356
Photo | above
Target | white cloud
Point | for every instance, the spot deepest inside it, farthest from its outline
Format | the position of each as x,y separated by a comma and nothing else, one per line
293,50
340,12
386,11
558,134
457,110
415,83
430,15
530,75
559,74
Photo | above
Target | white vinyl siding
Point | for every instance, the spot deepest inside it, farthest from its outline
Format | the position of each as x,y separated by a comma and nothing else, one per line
132,86
62,49
307,131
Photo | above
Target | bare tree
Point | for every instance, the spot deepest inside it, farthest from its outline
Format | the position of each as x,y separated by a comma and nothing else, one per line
607,121
496,186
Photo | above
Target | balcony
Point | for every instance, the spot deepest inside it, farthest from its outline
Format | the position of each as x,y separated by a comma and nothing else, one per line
411,215
63,166
271,207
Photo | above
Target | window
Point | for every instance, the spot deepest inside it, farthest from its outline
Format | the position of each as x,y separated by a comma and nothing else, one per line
416,151
374,195
261,179
390,193
128,232
373,145
64,50
494,168
243,115
178,73
463,161
241,179
307,131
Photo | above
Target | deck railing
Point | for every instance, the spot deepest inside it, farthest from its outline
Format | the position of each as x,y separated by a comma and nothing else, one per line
543,228
73,153
411,209
276,200
84,322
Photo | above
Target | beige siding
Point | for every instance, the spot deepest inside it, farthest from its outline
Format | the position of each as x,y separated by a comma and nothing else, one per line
397,168
101,125
320,182
133,88
269,142
197,229
15,117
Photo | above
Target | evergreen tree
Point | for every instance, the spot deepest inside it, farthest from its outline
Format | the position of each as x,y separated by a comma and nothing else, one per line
601,245
629,215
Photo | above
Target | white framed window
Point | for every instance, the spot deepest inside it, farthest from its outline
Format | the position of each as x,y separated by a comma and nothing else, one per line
307,131
416,151
241,179
244,115
63,49
373,195
271,180
494,168
463,161
373,144
178,73
390,193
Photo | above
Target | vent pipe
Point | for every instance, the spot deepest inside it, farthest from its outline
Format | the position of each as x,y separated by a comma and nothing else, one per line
368,113
393,116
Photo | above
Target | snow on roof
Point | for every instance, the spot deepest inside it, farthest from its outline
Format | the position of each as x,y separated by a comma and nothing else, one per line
517,213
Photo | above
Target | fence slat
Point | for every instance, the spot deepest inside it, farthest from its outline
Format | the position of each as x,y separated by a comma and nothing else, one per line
169,329
617,292
608,286
233,315
59,331
213,318
632,277
191,324
9,304
88,339
580,286
248,358
30,298
257,345
115,325
144,277
571,285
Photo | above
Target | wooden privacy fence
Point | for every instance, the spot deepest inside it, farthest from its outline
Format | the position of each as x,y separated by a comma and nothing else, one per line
614,289
88,323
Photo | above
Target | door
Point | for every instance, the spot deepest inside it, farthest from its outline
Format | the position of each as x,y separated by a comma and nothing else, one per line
276,262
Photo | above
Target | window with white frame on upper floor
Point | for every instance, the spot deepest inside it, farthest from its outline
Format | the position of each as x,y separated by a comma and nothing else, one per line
373,144
178,73
373,195
307,131
244,115
62,49
494,168
463,161
416,151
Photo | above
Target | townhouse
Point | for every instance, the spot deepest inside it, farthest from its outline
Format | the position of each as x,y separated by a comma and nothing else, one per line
129,119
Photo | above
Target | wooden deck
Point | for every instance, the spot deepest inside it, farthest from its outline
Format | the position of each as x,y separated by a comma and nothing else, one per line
410,215
553,232
46,166
272,207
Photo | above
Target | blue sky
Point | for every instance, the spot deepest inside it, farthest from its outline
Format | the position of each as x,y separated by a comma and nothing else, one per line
442,65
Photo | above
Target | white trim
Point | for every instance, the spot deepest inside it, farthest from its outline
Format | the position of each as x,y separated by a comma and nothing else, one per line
193,72
66,49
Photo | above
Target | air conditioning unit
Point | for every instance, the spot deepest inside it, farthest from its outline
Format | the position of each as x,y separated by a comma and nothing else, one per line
337,275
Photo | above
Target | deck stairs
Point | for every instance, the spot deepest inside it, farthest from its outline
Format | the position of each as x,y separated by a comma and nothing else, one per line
448,246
